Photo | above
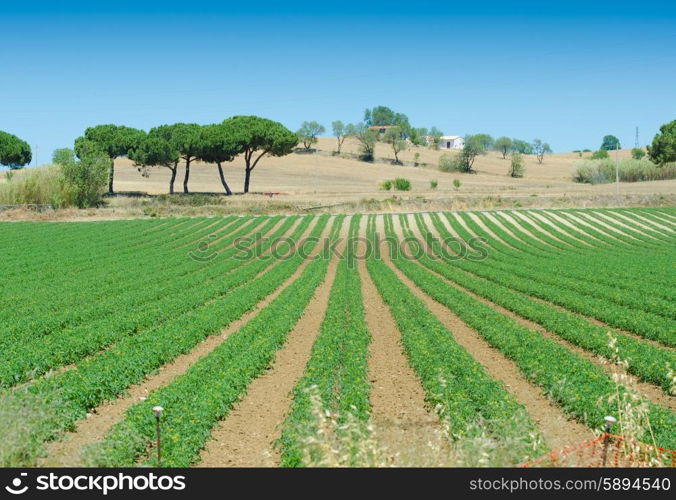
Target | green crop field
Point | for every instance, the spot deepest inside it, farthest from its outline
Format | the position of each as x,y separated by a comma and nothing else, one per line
522,329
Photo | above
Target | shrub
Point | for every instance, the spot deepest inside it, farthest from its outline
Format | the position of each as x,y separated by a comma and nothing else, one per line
637,153
386,185
434,184
603,171
87,178
516,168
456,184
416,159
601,154
401,184
663,148
40,186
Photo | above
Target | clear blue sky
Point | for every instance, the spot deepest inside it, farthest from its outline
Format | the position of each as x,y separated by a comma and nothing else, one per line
567,74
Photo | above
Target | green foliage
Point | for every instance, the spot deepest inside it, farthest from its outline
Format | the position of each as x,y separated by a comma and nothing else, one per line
540,149
14,152
483,141
637,153
401,184
663,148
456,184
447,163
393,137
610,143
601,154
40,186
434,184
254,137
155,150
340,131
517,167
503,145
386,185
86,178
475,145
63,156
367,140
308,132
522,147
631,170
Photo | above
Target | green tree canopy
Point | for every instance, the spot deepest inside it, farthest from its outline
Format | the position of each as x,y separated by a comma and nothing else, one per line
434,135
663,148
485,140
113,141
85,177
367,140
393,137
610,143
255,137
339,132
155,150
218,146
308,132
522,147
184,138
14,152
504,145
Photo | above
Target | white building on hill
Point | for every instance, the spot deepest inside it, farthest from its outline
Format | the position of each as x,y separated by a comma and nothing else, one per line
451,142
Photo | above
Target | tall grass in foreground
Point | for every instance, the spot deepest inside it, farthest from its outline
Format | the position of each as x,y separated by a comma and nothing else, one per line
41,186
631,170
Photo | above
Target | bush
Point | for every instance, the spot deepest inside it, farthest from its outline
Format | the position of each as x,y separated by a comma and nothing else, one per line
601,154
663,148
87,178
603,171
386,185
453,163
456,184
516,168
434,184
401,184
40,186
637,153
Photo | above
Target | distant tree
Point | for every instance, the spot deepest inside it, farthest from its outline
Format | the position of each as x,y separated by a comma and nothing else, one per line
663,148
14,152
217,147
435,137
87,176
610,143
523,147
383,116
393,137
637,153
541,149
62,156
485,140
157,150
601,154
504,145
114,141
367,140
308,132
516,168
339,132
255,137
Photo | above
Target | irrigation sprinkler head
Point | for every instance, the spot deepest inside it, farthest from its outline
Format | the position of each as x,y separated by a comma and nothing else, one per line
609,420
157,410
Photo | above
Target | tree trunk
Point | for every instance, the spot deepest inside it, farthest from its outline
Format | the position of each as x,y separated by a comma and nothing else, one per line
225,184
247,176
187,176
111,174
173,178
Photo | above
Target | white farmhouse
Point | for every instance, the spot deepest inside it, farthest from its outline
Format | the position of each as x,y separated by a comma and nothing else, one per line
451,142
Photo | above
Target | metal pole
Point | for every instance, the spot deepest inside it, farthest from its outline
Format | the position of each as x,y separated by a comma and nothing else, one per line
157,410
606,438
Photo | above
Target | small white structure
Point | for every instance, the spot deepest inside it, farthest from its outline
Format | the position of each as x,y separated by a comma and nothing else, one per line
451,142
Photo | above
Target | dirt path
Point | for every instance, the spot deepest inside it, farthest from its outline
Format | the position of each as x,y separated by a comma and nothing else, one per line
246,437
410,433
557,430
67,452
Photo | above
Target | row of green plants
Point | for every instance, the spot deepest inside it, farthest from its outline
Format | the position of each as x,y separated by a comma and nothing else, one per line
581,388
337,372
104,376
648,362
195,401
642,323
455,384
22,360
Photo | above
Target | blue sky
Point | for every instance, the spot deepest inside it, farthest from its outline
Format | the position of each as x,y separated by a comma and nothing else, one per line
566,73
